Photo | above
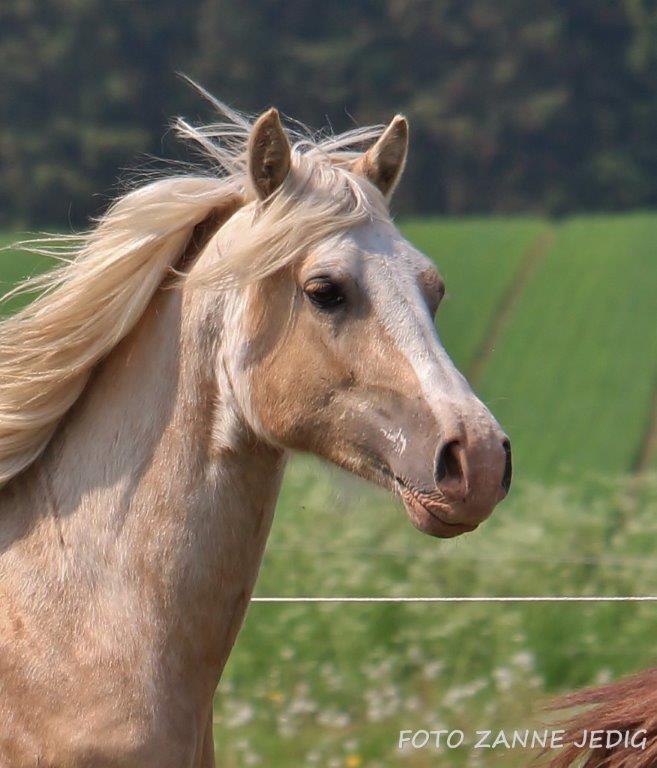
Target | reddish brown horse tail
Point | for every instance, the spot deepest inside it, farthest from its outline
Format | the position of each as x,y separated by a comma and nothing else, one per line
626,711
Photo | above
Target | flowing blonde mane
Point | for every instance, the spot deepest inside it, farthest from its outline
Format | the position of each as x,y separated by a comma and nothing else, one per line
107,277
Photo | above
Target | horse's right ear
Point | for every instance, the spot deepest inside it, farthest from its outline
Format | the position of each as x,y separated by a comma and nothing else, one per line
269,154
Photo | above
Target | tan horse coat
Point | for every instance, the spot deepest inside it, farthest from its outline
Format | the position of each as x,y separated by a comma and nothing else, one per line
151,428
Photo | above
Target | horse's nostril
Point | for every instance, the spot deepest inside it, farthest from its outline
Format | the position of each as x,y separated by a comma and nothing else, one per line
508,466
448,465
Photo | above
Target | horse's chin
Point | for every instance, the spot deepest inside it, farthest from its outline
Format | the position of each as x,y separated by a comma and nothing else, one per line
430,518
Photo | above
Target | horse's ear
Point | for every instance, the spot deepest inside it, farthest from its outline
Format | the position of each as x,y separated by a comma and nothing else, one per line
269,154
384,162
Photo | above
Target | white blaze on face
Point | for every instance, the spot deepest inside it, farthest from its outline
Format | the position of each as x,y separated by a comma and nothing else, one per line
391,272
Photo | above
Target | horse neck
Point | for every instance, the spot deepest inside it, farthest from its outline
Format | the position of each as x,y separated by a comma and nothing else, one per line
152,517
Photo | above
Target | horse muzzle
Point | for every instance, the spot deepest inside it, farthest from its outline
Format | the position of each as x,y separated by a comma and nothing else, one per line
469,479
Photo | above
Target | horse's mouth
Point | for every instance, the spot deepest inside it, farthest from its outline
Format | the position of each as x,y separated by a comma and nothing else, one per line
428,513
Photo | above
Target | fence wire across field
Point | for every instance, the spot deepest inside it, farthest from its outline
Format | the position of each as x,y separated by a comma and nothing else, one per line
457,599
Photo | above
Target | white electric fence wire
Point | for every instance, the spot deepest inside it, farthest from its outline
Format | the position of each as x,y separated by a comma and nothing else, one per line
478,599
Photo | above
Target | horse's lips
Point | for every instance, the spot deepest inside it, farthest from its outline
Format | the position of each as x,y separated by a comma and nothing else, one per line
428,520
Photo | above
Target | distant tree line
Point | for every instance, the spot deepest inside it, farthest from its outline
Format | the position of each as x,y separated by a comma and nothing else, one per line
549,105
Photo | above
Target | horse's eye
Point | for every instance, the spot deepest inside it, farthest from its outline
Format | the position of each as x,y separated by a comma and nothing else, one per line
324,294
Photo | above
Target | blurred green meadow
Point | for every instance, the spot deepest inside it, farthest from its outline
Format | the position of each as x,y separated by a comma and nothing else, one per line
333,685
555,325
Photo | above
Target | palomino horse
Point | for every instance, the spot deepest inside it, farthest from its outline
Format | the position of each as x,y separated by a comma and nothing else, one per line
149,397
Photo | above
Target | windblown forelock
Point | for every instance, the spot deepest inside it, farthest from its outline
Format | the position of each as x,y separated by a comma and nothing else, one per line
319,199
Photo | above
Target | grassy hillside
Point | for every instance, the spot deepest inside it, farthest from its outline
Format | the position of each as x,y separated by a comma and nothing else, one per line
573,373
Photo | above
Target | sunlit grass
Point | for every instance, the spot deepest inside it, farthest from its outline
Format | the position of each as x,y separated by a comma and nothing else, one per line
574,372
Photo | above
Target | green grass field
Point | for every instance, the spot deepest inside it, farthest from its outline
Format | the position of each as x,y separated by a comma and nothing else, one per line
558,323
576,366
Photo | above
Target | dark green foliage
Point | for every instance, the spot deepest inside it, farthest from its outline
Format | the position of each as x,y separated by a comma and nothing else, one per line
543,106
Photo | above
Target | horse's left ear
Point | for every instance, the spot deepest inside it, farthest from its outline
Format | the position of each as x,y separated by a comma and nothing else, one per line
384,162
269,154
